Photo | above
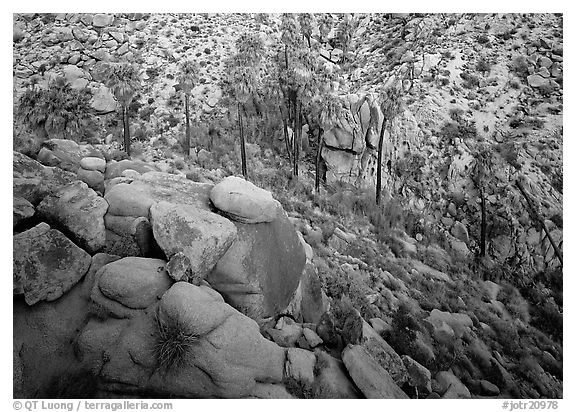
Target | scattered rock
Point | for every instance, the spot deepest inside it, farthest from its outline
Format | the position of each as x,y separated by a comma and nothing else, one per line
535,80
312,337
21,210
418,376
450,386
102,20
384,354
488,388
286,332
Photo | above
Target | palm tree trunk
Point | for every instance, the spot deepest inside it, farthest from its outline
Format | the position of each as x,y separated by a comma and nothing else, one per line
286,140
318,158
242,143
187,141
126,129
297,133
483,225
379,164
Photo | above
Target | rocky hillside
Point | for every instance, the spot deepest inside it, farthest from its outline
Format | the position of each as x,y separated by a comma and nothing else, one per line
163,274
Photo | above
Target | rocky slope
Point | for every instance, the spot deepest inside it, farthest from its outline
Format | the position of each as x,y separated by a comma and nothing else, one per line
164,275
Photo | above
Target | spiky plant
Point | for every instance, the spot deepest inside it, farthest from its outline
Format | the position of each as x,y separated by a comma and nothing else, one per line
173,342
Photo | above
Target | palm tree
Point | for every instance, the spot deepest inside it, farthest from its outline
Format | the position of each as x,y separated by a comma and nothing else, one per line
245,80
187,79
123,79
57,110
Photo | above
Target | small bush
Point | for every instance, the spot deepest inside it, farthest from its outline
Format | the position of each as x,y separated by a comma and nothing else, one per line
519,66
483,66
482,39
173,342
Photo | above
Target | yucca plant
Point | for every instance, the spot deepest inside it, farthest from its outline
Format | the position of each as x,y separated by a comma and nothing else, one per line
123,79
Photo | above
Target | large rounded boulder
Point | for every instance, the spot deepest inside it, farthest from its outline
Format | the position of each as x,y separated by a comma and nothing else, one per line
260,272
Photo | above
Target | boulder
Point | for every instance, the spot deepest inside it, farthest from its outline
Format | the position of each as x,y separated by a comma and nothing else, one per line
79,211
340,138
174,189
180,268
312,337
42,337
115,169
372,379
535,80
450,386
93,178
459,323
46,264
332,380
260,272
128,200
244,202
488,388
460,232
21,210
384,354
33,181
286,332
223,354
314,302
300,365
130,236
418,376
204,237
66,154
103,101
93,163
102,20
134,282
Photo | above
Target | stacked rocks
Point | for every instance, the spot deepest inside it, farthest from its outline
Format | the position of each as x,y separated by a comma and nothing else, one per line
91,172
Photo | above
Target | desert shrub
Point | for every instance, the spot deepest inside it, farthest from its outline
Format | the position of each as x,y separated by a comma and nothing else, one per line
514,302
482,39
507,336
483,65
298,389
403,333
172,342
443,81
519,66
470,81
548,318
